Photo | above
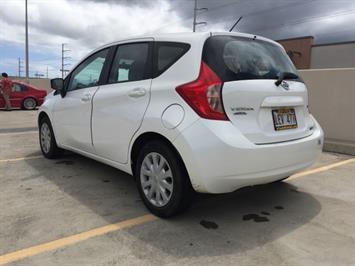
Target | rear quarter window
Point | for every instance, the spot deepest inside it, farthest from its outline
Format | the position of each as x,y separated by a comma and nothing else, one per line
166,54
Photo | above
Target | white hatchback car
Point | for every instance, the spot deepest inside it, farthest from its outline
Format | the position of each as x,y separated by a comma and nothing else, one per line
205,112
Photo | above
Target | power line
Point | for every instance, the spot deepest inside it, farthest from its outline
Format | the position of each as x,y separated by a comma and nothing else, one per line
304,20
295,22
260,11
186,19
279,7
335,32
244,15
263,11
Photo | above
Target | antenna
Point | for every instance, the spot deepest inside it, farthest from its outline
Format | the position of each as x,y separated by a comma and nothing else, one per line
235,24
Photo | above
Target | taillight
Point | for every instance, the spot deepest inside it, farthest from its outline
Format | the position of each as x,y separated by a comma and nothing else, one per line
204,94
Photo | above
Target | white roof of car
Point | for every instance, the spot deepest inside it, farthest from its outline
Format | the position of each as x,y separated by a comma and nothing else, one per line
184,37
188,37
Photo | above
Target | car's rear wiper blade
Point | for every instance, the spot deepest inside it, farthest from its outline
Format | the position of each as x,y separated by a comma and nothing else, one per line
285,75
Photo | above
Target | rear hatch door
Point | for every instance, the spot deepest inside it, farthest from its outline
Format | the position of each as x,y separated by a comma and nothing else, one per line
263,111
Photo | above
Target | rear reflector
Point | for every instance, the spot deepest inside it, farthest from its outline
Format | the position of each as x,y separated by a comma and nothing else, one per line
204,94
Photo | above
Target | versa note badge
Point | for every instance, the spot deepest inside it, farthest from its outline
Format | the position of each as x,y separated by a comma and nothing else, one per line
241,110
285,85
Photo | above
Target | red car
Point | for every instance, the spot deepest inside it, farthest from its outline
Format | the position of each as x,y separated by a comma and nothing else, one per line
24,96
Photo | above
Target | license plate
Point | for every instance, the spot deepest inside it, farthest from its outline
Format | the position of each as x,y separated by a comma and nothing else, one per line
284,118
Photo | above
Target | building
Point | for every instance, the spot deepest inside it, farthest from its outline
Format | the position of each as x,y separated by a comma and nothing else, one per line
306,55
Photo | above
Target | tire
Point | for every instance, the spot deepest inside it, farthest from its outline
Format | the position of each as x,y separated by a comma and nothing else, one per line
174,184
29,104
47,140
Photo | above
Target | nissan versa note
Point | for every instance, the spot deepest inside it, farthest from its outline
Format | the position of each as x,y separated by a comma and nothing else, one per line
205,112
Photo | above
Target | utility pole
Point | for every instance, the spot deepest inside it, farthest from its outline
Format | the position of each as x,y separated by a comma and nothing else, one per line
195,23
63,70
26,52
195,15
47,72
20,66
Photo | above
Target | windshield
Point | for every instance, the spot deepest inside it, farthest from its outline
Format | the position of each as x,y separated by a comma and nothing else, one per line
236,58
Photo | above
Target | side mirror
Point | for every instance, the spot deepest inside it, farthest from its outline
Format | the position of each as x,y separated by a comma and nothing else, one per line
57,84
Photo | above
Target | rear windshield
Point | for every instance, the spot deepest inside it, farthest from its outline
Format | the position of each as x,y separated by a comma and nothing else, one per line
236,58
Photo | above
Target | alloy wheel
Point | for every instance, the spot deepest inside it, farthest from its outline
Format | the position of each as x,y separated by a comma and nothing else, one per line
45,138
29,104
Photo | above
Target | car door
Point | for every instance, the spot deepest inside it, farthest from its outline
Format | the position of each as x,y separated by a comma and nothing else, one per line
17,94
72,113
2,100
119,106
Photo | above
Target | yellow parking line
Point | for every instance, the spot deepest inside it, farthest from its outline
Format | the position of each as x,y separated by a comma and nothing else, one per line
70,240
21,159
18,133
322,169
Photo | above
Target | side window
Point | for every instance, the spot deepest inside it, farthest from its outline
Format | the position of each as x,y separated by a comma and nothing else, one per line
88,73
167,53
129,63
18,88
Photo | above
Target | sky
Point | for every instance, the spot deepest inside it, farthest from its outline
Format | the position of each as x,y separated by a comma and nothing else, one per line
86,24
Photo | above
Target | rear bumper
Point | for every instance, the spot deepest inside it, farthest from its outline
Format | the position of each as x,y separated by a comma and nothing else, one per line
220,159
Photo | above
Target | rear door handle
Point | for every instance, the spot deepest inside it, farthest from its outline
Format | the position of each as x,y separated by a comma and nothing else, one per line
86,97
137,92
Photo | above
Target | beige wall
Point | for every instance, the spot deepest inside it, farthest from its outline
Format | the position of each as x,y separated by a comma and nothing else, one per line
333,56
305,55
332,101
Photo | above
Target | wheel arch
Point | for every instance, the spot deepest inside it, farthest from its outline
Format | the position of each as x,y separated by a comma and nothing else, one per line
28,97
54,151
42,115
147,137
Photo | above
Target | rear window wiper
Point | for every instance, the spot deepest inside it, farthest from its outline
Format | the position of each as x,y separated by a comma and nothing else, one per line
285,75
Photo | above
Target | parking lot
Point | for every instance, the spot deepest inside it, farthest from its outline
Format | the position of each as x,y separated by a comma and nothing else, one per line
74,210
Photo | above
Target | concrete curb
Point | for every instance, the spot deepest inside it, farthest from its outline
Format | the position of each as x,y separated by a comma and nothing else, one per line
339,146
